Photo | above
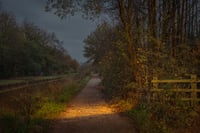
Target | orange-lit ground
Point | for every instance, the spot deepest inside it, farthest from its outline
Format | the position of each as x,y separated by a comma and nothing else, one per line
89,113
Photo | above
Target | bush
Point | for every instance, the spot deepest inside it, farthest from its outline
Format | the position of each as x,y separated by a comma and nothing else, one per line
26,105
172,117
164,116
32,113
141,117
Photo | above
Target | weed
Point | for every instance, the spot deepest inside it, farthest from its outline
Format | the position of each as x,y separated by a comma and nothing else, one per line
49,110
26,105
163,116
67,93
32,112
140,116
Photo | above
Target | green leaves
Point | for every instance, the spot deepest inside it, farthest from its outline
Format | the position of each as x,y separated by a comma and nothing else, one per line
29,51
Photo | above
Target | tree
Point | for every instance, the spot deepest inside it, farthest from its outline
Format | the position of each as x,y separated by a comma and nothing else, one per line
122,10
105,50
29,51
11,37
98,43
154,33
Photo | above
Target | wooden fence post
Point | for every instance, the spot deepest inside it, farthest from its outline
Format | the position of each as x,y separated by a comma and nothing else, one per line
155,86
194,88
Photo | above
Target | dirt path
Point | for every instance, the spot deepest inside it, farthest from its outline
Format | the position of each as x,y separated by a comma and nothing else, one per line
89,113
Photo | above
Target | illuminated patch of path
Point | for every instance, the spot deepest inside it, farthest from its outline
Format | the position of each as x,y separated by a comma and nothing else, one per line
89,113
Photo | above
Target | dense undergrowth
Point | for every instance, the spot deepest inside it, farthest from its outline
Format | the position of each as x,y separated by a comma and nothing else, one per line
128,79
33,112
170,115
160,118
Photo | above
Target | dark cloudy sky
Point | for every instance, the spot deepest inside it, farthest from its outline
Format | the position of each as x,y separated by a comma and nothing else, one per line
72,30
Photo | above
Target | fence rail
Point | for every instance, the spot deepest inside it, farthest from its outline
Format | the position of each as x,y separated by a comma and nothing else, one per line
193,90
29,84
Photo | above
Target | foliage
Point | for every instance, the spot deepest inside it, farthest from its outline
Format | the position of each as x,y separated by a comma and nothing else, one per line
29,51
164,116
141,117
34,111
147,38
113,65
26,105
55,104
155,34
108,54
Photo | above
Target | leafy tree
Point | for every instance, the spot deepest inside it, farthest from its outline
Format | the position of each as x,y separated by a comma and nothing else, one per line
29,51
154,34
120,10
106,51
149,37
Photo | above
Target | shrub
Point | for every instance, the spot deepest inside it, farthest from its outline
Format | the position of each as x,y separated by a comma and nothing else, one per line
31,112
26,105
141,117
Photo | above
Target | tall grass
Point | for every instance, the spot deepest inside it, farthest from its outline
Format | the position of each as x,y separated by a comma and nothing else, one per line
164,116
56,103
33,112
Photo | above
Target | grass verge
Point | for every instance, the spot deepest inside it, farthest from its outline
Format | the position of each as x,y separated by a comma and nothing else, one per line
33,112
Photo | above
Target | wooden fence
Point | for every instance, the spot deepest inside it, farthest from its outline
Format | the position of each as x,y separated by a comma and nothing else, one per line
193,90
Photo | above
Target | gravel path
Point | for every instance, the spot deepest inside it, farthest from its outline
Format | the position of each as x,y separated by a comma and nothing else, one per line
89,113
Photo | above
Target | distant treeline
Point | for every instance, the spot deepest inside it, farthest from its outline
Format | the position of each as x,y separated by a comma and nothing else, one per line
26,50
